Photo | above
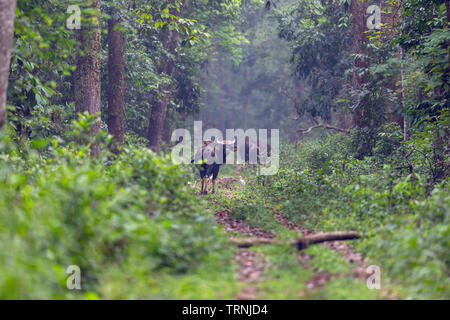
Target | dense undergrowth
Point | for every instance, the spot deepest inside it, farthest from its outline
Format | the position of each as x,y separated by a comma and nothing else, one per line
137,230
130,223
403,214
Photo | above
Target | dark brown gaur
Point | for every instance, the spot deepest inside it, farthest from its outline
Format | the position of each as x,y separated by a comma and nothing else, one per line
251,147
209,148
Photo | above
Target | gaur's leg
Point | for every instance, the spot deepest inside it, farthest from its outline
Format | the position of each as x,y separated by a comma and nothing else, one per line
214,177
206,185
203,183
203,172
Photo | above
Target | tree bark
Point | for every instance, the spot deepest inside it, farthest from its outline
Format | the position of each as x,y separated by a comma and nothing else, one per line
300,243
390,18
116,84
159,109
87,74
245,103
359,38
440,143
293,122
447,7
7,14
402,75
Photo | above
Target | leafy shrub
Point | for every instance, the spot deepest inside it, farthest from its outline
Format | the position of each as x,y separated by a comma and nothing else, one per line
404,217
135,213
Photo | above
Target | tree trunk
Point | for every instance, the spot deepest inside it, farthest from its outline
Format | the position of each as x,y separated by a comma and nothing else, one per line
7,13
301,243
224,79
441,142
293,122
87,74
159,109
391,18
402,75
116,84
245,103
359,38
447,6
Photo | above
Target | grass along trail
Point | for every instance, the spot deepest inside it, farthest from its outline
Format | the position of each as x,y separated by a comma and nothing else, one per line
250,263
281,271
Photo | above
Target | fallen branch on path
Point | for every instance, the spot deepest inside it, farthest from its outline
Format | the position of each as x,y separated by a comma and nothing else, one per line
301,243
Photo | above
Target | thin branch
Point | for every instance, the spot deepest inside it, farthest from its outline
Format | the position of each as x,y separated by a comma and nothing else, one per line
323,125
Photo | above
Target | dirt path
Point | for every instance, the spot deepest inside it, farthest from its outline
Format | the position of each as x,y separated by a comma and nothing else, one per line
252,264
358,262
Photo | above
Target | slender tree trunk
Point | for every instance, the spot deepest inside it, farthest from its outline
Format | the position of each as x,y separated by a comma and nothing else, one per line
390,18
116,84
447,6
223,80
360,114
159,109
405,118
7,13
293,122
441,142
87,74
246,101
359,38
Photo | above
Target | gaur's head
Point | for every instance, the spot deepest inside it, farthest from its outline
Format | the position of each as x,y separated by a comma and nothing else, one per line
227,145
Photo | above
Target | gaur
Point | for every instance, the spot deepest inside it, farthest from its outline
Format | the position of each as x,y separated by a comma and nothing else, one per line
208,151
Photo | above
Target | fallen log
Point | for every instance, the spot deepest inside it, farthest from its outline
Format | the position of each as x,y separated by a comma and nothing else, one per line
303,242
300,243
249,242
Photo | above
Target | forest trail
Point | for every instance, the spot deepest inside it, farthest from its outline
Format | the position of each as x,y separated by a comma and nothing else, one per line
101,102
252,264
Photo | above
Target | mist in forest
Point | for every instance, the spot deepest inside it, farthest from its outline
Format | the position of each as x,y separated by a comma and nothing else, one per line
103,195
247,88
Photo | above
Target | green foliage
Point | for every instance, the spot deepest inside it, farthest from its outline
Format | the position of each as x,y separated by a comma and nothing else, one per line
318,34
131,220
403,216
41,59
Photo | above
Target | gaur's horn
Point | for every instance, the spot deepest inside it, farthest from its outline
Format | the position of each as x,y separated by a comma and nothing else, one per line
227,142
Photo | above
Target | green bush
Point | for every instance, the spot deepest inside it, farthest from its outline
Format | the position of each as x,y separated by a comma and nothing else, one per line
404,217
134,217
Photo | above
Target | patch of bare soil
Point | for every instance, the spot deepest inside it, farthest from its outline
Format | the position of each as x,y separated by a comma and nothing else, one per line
351,256
223,218
251,264
357,260
319,280
251,267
